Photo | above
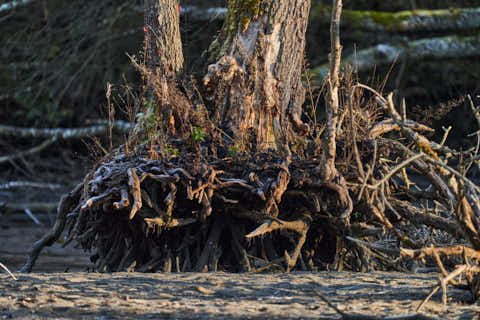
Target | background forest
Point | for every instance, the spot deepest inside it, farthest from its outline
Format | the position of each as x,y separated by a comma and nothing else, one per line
57,56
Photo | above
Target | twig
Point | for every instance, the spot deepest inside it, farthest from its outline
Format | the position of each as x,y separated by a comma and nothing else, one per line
475,112
445,135
354,136
356,316
331,305
432,292
31,216
395,169
370,170
443,284
8,271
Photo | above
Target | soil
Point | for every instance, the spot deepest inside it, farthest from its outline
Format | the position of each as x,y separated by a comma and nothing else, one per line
52,293
81,295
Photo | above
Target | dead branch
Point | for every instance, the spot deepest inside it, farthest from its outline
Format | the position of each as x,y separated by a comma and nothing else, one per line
134,185
91,201
447,251
396,169
332,101
299,226
443,282
171,223
14,4
416,216
387,126
124,201
28,184
356,316
405,21
8,271
418,50
64,133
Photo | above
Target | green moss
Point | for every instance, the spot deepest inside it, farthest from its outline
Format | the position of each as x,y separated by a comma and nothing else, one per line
386,20
378,19
241,12
239,15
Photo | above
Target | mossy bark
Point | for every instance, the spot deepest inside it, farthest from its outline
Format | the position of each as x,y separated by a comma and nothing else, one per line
403,21
256,80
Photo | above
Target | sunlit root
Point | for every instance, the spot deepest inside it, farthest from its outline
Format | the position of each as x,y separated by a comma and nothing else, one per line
89,203
447,251
124,201
389,125
299,226
159,222
134,184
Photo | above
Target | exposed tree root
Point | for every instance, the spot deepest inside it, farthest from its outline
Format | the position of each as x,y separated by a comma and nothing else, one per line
148,215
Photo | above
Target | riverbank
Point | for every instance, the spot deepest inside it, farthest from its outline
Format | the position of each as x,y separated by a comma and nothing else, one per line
80,295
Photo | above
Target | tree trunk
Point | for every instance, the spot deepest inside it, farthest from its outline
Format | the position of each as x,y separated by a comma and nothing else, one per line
163,45
256,80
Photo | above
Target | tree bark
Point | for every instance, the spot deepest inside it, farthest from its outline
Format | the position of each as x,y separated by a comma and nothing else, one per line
163,45
256,81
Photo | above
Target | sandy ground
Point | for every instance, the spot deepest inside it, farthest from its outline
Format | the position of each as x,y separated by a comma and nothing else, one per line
81,295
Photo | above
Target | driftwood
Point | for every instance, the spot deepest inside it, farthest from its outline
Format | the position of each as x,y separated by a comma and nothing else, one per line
28,184
385,54
392,22
64,133
57,134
